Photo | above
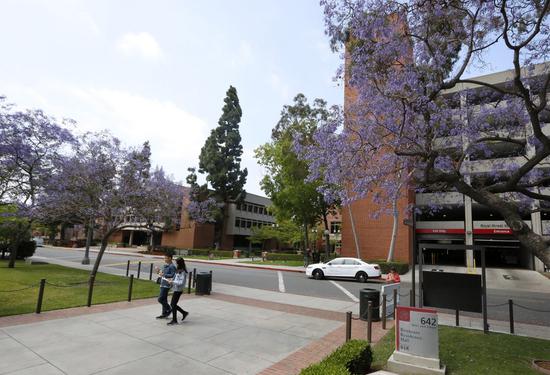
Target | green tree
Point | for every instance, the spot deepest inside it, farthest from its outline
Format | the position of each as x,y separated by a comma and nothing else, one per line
220,160
294,198
285,232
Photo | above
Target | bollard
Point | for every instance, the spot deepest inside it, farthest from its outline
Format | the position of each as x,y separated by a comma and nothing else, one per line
194,276
348,326
511,309
394,304
151,272
383,311
457,310
40,296
369,322
139,269
189,283
90,290
130,288
127,268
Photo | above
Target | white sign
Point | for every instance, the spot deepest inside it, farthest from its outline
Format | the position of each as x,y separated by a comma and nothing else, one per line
416,332
387,290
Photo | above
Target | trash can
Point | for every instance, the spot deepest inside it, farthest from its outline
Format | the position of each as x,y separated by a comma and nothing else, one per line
203,283
372,295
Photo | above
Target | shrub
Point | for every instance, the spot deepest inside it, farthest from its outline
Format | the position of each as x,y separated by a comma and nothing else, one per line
356,355
283,256
385,267
166,250
26,249
325,368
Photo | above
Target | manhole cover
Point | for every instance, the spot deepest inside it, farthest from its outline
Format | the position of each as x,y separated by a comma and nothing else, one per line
509,277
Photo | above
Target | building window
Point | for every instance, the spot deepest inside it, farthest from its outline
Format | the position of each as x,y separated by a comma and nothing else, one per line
249,208
237,223
255,209
335,227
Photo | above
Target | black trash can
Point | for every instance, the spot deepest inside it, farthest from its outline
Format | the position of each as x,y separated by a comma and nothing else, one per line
372,295
203,283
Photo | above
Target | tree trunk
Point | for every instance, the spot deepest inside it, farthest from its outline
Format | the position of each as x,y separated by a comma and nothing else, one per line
395,213
306,238
326,236
531,241
356,240
104,242
89,233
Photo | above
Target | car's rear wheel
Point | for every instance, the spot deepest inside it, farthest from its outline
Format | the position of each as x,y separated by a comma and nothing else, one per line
318,274
362,277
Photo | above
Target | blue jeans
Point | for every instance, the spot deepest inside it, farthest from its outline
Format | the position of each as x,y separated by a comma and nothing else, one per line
163,300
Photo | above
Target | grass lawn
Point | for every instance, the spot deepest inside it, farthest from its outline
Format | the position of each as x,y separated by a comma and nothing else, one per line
205,257
467,351
107,288
292,263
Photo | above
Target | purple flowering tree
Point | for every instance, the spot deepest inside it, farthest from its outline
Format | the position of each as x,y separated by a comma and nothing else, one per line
113,187
410,126
30,145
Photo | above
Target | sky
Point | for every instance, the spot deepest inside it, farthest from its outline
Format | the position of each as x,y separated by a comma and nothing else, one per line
159,70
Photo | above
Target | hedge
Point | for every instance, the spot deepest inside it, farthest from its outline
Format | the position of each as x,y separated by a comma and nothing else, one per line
385,267
354,357
325,368
216,253
283,256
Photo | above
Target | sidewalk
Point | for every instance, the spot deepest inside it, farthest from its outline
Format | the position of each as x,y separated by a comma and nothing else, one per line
222,335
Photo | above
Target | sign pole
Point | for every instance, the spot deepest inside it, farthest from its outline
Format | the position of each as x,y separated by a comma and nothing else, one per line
484,291
420,291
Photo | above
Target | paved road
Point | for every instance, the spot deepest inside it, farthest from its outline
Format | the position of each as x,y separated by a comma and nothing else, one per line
297,283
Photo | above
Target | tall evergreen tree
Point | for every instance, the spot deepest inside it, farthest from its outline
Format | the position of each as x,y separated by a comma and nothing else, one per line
220,159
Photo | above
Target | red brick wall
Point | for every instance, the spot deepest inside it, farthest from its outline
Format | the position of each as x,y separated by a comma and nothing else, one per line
374,235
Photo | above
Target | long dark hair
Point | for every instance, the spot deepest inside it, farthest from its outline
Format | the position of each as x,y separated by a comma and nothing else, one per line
180,262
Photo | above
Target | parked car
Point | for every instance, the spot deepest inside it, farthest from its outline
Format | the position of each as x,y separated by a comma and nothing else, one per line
344,267
39,241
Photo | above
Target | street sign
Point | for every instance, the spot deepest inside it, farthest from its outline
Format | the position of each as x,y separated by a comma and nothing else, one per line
416,332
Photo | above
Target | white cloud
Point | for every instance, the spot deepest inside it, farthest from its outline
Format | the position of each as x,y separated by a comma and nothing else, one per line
139,44
244,55
255,172
279,86
176,136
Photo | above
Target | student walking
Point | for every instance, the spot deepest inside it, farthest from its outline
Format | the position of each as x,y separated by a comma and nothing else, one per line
178,284
166,274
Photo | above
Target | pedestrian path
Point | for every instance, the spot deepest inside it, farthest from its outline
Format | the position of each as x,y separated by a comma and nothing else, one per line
223,335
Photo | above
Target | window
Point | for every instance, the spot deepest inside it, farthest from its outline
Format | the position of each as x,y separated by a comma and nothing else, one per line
249,206
255,209
335,227
248,223
243,223
336,262
237,223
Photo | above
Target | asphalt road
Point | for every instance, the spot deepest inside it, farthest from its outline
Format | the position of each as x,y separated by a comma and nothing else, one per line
298,283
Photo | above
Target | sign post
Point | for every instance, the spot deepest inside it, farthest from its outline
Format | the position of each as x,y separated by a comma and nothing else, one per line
387,290
416,342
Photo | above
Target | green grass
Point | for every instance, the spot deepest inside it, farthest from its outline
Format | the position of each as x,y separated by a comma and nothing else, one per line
205,257
107,288
291,263
471,352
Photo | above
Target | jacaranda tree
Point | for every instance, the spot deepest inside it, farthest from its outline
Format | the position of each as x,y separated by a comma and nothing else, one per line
30,144
112,186
405,127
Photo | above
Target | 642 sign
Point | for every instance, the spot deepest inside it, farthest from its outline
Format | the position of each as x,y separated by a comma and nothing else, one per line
416,332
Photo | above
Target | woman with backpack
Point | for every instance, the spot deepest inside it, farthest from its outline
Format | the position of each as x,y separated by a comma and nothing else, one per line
178,284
